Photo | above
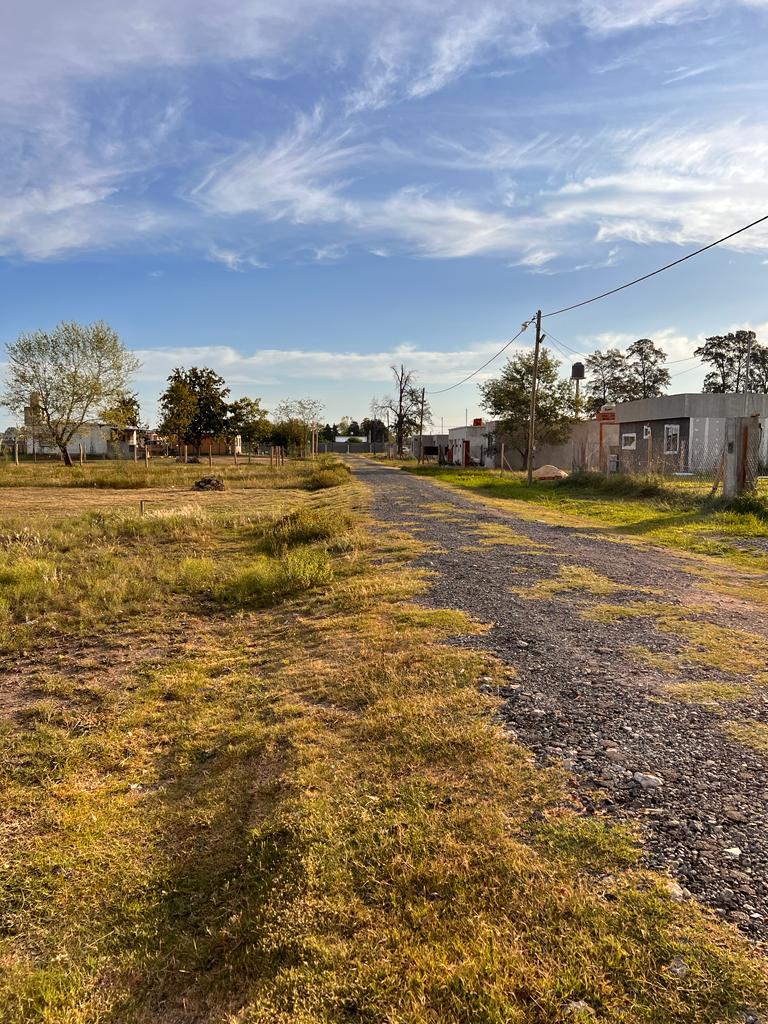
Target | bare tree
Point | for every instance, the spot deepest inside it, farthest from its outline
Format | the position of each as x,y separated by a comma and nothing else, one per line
67,375
406,406
304,411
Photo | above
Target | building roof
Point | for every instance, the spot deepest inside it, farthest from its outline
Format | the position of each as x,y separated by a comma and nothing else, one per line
694,404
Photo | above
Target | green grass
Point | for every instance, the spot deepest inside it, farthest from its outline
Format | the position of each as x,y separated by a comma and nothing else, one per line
676,515
297,806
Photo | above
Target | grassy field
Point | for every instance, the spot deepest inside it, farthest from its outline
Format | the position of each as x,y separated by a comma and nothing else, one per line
244,781
678,515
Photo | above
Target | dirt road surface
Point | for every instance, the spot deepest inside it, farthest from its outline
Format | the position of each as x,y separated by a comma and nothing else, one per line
653,711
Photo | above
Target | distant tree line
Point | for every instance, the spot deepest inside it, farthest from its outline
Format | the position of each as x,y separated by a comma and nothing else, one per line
77,371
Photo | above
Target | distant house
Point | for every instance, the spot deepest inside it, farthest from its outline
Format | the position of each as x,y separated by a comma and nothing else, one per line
671,434
429,446
96,438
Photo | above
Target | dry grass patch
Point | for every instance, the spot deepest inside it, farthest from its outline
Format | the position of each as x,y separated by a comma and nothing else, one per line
608,613
492,534
310,816
708,692
577,579
734,651
752,734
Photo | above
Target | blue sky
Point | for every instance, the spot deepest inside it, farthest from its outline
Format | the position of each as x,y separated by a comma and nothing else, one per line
299,194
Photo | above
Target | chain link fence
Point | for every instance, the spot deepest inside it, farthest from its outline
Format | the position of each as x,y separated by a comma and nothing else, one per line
730,453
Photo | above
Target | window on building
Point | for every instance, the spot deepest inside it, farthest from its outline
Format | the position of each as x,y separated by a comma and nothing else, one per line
646,431
671,438
628,442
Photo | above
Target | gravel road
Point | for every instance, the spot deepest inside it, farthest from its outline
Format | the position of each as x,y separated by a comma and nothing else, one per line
584,697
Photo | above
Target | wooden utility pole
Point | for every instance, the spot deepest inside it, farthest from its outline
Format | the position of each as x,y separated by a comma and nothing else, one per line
534,386
421,429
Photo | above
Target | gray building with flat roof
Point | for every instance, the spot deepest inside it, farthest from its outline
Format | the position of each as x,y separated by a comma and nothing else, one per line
671,434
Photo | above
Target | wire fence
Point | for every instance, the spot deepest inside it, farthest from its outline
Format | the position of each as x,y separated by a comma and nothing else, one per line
701,456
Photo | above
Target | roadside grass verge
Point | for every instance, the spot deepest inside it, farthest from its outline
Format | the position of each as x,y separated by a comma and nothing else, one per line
310,815
162,473
678,516
101,568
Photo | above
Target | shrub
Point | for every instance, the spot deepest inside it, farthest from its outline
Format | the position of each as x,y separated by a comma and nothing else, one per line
747,504
270,580
196,574
328,475
305,526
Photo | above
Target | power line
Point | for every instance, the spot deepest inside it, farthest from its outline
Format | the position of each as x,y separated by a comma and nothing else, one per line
667,266
688,369
563,345
685,359
604,295
487,363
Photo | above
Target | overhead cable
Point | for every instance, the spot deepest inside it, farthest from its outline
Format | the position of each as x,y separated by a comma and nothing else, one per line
474,373
659,270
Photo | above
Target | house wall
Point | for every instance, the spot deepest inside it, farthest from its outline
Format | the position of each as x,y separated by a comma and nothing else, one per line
482,444
649,454
579,452
92,436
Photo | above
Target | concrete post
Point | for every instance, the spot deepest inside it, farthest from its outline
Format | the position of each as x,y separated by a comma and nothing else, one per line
740,455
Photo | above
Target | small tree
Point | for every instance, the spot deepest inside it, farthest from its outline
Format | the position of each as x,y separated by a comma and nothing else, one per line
508,397
607,380
178,404
299,417
246,418
646,374
373,429
73,371
406,406
210,416
758,370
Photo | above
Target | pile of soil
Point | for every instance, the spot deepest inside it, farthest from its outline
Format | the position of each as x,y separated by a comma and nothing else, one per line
208,483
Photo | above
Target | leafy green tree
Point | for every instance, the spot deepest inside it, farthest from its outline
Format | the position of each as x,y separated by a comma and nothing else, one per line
210,416
123,412
328,433
758,370
374,429
178,404
246,418
194,405
607,380
508,398
727,354
73,371
646,374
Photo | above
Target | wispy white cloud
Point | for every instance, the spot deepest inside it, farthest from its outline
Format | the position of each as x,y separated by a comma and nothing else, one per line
281,367
81,174
686,186
293,178
234,260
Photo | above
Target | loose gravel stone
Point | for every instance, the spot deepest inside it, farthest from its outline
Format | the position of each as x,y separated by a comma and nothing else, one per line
580,698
